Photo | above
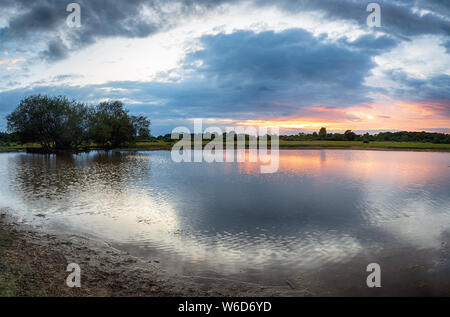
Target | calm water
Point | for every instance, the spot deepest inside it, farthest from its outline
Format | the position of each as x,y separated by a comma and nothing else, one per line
324,210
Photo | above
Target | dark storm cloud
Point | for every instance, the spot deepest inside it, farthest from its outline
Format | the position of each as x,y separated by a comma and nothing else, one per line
447,46
56,51
107,18
99,19
289,62
267,75
243,75
246,75
397,16
40,17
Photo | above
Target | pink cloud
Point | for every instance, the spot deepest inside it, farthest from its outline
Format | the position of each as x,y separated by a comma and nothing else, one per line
16,60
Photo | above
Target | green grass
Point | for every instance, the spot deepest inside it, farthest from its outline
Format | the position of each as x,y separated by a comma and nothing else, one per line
322,144
8,277
360,144
18,147
161,145
13,276
8,283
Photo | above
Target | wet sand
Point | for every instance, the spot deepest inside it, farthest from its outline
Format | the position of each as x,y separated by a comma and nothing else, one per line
33,263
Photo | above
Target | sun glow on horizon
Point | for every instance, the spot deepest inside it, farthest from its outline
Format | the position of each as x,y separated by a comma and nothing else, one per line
388,117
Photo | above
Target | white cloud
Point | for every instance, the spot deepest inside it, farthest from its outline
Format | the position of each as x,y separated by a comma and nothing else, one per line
422,57
158,57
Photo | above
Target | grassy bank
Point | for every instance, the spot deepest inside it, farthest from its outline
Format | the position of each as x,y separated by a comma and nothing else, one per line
162,145
18,147
8,275
370,145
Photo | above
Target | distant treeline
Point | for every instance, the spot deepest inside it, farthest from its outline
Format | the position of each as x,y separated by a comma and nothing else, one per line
9,138
59,123
404,136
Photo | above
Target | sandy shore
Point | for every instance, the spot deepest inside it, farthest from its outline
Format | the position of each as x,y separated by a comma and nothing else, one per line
33,263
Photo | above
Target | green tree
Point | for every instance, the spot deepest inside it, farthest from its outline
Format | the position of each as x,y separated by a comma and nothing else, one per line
366,137
404,138
141,126
349,135
54,122
110,125
58,123
322,133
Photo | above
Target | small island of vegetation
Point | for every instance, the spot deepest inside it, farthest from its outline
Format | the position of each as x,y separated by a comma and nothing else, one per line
57,123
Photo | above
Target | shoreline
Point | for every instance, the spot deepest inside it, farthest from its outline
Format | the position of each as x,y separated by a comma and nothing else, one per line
296,147
33,263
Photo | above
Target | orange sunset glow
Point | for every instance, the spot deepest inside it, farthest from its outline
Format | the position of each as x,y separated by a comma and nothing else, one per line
395,116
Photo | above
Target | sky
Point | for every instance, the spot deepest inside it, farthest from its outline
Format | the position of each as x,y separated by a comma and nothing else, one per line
293,64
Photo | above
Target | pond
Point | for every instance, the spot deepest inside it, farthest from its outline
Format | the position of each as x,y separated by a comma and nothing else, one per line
322,218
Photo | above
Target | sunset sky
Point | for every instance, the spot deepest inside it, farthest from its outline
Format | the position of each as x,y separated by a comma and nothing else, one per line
294,64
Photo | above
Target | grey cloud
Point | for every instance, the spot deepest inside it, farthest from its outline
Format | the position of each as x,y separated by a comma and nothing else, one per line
56,51
38,18
441,7
268,74
397,16
371,43
99,18
434,91
447,46
108,18
246,75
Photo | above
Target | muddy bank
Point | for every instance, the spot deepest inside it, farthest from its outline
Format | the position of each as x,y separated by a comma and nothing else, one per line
34,263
